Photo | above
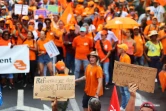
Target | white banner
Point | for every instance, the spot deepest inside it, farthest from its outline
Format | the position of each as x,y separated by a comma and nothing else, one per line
14,60
21,9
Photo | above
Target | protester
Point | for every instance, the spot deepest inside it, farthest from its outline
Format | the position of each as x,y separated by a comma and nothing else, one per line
70,52
93,80
83,45
43,57
103,47
126,59
146,106
154,49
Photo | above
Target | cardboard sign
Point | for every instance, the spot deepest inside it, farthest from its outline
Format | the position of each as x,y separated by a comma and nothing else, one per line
51,49
53,9
21,9
54,86
143,76
41,12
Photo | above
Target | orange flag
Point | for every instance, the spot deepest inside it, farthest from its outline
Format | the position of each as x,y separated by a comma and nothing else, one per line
162,2
114,102
68,15
162,78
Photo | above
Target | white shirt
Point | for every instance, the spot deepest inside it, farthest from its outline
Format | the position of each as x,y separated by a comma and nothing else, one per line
91,28
158,12
143,16
124,14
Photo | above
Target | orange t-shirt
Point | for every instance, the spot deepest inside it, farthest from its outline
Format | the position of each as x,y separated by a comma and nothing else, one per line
140,41
59,42
31,43
107,47
150,28
98,21
92,74
40,44
83,46
5,42
162,33
125,58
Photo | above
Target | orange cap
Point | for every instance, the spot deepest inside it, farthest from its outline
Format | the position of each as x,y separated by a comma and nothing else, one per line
154,18
60,65
72,27
80,0
123,46
40,17
2,19
7,22
84,14
20,2
25,18
155,1
90,3
122,0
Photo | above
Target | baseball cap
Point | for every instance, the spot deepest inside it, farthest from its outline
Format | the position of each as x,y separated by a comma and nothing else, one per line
153,32
25,18
123,46
82,29
135,27
148,105
60,65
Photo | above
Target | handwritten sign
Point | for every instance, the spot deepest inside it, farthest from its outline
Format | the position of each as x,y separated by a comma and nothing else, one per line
54,86
41,12
21,9
51,49
53,9
144,77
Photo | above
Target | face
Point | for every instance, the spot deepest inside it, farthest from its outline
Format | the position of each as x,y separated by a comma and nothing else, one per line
153,38
136,31
82,34
2,23
29,35
56,18
61,24
40,20
154,21
92,60
3,11
72,31
42,35
145,109
128,34
103,36
120,50
25,22
48,23
6,36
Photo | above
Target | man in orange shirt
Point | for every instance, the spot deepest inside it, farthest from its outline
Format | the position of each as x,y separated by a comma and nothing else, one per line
162,38
124,90
93,80
83,45
140,42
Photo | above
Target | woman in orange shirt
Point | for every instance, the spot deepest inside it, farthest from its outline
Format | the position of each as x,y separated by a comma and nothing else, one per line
31,43
43,57
104,48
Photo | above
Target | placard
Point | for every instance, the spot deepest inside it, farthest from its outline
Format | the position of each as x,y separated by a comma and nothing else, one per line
53,9
54,86
51,49
21,9
144,77
41,12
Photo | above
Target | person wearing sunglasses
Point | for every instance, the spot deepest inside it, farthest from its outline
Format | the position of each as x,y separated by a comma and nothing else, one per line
146,106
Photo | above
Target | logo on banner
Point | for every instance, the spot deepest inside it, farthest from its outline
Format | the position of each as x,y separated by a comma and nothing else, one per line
20,65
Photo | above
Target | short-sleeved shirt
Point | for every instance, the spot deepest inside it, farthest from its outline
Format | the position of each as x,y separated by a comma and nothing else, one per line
83,46
107,47
125,58
154,49
92,74
31,44
140,41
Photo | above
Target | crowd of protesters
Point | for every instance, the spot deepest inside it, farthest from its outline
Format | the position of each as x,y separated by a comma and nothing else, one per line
84,42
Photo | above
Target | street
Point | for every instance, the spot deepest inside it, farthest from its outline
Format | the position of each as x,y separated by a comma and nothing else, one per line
21,99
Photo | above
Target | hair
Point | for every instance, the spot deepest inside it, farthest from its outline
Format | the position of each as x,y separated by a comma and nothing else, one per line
60,71
32,34
5,32
90,21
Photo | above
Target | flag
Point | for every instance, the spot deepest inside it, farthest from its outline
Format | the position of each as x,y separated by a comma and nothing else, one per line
1,100
68,15
162,2
114,102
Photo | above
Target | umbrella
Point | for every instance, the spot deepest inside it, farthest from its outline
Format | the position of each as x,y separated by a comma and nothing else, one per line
121,23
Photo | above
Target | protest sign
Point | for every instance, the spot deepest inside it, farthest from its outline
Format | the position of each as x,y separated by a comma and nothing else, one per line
51,49
143,76
54,86
41,12
21,9
53,9
14,60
